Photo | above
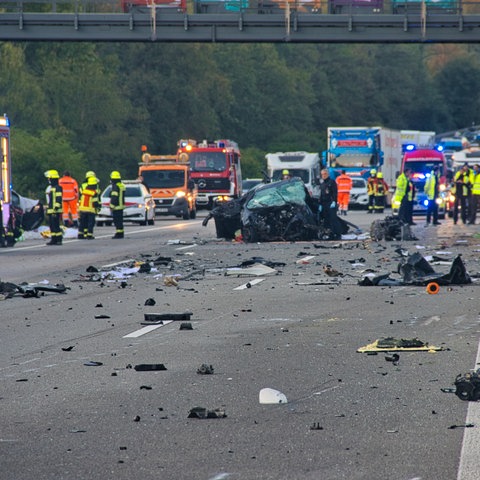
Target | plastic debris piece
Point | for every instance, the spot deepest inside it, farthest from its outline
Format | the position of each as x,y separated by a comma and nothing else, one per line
170,282
203,413
102,316
68,349
92,269
146,387
271,396
156,317
316,426
150,302
186,326
92,363
205,369
433,288
391,344
149,367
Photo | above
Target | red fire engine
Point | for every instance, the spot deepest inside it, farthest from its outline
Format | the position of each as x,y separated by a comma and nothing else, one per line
215,168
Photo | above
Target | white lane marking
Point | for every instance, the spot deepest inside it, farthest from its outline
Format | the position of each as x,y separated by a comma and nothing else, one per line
188,246
305,259
251,282
147,329
469,459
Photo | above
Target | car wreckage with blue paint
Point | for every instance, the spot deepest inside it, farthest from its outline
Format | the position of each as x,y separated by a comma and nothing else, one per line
277,211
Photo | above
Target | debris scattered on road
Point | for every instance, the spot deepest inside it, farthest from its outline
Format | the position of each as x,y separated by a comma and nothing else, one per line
68,349
92,363
205,369
156,317
186,326
316,426
150,367
150,302
269,396
391,344
203,413
467,386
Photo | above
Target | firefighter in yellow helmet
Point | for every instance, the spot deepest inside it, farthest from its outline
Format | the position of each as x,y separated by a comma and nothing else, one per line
371,185
117,203
83,186
54,207
381,191
286,175
88,208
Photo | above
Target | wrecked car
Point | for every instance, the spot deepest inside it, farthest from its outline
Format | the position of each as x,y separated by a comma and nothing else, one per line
26,214
278,211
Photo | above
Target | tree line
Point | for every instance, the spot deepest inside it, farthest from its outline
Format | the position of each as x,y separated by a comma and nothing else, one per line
91,106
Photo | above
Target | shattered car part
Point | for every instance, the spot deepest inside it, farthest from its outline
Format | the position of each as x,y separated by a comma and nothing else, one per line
468,386
269,396
390,228
156,317
205,369
391,344
149,367
278,211
203,413
29,289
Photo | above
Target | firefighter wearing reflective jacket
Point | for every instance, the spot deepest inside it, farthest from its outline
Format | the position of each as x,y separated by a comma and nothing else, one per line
372,180
117,203
54,207
344,185
380,192
70,199
88,208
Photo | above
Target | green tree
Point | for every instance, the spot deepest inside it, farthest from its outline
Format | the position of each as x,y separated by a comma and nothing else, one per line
32,155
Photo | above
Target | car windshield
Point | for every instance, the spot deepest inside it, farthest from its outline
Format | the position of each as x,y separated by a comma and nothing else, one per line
358,183
421,168
164,178
278,194
207,161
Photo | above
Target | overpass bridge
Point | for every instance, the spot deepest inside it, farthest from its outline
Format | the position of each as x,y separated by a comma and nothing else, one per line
280,25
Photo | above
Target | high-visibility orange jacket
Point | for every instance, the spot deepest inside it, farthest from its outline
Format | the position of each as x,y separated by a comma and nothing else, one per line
344,183
70,188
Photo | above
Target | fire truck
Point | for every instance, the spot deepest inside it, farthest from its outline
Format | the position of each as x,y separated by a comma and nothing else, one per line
17,213
215,168
168,178
6,213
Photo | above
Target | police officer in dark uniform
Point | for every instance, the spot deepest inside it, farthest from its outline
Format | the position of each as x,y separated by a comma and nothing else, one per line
327,208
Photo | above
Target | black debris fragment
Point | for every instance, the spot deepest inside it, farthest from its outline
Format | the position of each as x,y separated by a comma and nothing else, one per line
149,367
150,302
205,369
68,349
102,316
316,426
203,413
155,317
92,269
467,425
92,363
186,326
394,358
468,386
145,387
390,228
145,268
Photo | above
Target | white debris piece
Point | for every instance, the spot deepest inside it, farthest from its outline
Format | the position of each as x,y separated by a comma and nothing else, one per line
270,396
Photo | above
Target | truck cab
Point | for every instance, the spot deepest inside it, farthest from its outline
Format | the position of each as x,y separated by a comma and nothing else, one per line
303,165
169,180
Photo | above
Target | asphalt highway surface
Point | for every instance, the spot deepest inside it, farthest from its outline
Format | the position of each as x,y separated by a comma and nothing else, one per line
73,406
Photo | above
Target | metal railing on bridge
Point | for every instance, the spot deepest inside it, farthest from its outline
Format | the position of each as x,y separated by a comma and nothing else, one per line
300,21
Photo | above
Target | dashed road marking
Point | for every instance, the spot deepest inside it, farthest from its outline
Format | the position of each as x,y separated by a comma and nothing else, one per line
249,284
147,329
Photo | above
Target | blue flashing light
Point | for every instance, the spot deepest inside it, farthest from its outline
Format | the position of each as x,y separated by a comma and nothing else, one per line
410,148
425,202
440,148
